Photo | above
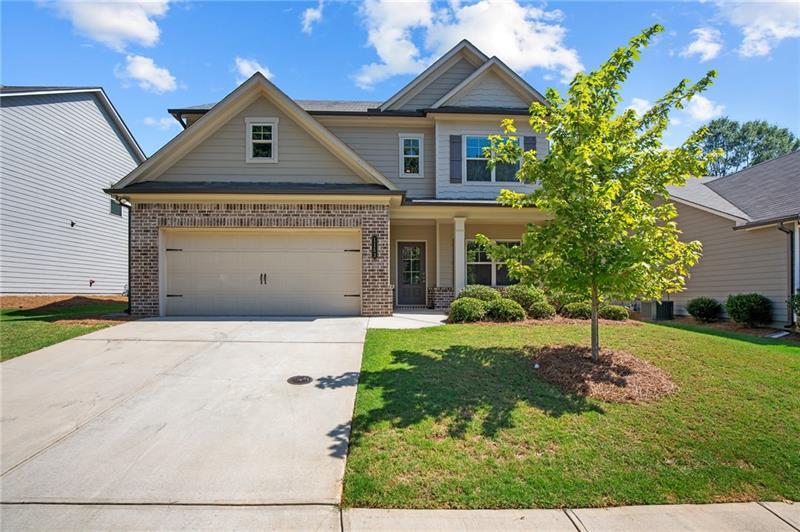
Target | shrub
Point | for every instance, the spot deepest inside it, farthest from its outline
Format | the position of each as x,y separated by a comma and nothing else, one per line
525,295
749,309
561,299
581,310
477,291
794,302
704,309
505,310
613,312
466,309
541,310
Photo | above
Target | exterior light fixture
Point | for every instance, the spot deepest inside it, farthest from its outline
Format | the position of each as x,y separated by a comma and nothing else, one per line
374,246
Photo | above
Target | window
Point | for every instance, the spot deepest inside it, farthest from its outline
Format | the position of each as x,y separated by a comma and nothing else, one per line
481,269
116,207
411,160
475,161
262,140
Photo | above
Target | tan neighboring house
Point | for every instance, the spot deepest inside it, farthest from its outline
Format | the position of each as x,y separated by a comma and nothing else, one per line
265,205
749,224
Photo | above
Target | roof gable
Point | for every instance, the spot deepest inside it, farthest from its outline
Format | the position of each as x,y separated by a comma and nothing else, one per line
463,51
246,94
494,84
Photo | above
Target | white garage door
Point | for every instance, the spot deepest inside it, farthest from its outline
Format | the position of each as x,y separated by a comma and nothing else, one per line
263,273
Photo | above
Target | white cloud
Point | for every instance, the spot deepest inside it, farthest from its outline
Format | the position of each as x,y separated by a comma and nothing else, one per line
640,105
764,24
707,44
147,74
161,123
523,36
247,67
311,16
702,109
116,23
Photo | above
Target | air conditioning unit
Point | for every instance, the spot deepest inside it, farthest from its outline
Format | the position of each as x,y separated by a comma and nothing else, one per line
653,310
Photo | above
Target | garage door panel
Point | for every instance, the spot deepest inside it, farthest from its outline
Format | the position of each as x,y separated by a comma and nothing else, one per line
220,273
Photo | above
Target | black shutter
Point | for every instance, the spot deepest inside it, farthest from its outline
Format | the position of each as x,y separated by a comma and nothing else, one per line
529,143
455,158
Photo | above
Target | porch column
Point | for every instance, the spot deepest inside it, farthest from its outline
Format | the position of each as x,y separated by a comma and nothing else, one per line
459,249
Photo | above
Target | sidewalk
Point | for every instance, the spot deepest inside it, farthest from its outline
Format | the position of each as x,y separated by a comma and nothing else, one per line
755,517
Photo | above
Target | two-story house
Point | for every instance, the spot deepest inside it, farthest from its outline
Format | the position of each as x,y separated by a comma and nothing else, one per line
265,205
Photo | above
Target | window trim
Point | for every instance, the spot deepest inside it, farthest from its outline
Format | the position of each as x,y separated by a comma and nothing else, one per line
421,138
492,263
493,181
248,135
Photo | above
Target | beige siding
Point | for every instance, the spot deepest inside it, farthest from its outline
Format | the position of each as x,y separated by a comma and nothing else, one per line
490,91
734,261
221,157
469,190
380,146
457,73
445,254
414,233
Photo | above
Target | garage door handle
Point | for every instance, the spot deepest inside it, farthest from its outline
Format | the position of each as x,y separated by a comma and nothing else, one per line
352,295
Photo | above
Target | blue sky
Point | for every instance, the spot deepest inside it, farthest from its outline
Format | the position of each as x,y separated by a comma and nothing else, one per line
156,55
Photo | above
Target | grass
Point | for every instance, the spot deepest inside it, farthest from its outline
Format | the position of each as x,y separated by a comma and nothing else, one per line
455,417
23,331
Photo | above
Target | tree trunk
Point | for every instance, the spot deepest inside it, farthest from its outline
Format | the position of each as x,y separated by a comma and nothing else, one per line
595,326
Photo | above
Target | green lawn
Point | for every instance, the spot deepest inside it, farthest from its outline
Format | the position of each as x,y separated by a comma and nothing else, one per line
455,417
23,331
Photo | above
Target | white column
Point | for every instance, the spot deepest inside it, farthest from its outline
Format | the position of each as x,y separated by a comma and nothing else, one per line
459,258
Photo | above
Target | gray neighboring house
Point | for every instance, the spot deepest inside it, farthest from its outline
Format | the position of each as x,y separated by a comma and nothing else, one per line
749,224
59,232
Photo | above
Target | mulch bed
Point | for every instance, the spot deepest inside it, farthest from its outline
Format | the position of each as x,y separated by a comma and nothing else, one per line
618,377
53,302
735,327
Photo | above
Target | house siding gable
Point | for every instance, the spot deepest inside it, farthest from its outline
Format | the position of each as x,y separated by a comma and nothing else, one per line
57,153
490,91
221,156
446,81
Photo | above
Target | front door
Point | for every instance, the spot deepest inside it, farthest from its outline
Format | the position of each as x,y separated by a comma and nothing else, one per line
411,273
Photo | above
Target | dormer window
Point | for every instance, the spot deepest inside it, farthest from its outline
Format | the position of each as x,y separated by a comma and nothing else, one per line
262,140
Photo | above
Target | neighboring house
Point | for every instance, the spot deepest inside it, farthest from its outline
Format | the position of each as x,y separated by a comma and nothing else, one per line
265,205
59,232
749,224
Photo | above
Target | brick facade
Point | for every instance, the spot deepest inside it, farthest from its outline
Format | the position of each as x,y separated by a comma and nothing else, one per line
148,218
440,297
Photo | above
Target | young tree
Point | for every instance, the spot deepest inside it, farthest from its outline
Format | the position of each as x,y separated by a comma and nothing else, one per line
745,144
611,231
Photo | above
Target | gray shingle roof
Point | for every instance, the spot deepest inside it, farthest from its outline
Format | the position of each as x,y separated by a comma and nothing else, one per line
696,191
13,89
766,190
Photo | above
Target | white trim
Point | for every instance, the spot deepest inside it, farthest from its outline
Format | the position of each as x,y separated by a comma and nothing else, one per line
419,137
459,254
397,267
249,122
162,272
709,210
492,263
493,182
438,256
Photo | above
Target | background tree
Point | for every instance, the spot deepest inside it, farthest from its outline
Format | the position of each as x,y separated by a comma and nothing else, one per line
610,233
745,144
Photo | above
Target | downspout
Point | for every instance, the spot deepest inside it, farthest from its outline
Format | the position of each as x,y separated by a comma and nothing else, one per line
790,234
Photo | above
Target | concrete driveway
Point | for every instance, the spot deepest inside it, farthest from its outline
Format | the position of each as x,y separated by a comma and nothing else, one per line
192,415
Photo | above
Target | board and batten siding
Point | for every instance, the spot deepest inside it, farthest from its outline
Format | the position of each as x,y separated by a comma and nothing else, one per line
470,190
437,88
380,146
734,262
57,153
490,91
221,156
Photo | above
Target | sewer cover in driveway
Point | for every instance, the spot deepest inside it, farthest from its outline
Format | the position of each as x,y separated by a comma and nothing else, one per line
299,379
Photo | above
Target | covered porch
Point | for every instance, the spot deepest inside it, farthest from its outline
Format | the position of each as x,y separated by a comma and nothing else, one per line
433,253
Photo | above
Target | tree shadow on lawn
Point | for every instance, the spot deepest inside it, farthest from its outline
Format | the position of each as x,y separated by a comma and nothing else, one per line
731,335
468,386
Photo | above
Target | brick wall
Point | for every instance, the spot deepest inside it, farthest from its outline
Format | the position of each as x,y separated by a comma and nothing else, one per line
148,218
440,297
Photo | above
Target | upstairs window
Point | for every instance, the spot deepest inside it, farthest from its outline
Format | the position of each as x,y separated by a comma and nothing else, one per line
476,170
116,207
411,160
262,140
481,269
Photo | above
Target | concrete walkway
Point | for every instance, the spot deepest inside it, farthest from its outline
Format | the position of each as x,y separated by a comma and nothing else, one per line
411,319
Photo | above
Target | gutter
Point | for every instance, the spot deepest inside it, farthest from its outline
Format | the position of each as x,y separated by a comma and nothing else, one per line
790,233
768,221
